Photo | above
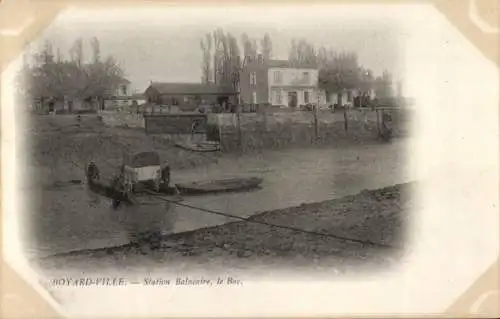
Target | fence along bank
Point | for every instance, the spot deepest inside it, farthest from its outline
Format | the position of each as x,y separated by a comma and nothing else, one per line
278,129
254,131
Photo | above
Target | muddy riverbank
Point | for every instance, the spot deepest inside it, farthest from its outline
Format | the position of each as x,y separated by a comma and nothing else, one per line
62,216
373,221
60,146
58,142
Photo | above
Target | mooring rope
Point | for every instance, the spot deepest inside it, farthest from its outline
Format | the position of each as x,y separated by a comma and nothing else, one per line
252,220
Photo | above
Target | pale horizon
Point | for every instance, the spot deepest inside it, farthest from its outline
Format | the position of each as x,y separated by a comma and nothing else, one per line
145,46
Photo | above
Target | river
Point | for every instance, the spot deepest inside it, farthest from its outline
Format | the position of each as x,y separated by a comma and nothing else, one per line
74,218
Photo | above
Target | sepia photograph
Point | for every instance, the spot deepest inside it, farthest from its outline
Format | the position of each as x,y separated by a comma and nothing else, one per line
174,147
232,144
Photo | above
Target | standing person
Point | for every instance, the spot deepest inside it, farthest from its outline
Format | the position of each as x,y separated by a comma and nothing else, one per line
122,190
386,126
194,129
165,174
92,172
136,107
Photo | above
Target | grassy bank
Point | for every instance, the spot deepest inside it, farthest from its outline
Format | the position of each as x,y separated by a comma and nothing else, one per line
372,216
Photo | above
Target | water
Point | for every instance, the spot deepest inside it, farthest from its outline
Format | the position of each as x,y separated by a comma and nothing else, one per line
75,218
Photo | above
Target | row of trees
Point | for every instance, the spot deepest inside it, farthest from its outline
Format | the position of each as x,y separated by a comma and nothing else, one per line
47,75
337,70
222,62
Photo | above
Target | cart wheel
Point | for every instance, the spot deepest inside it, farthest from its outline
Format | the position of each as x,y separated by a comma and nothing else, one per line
165,175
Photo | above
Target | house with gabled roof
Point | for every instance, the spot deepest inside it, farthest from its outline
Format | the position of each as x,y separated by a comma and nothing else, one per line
188,96
278,82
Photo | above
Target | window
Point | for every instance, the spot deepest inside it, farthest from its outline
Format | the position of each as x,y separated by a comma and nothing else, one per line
253,78
277,97
277,77
123,89
306,76
306,97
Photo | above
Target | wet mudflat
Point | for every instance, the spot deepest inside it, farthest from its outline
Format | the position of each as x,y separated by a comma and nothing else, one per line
375,220
70,218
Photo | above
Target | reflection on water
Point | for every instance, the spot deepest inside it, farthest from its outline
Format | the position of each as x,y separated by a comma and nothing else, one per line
148,219
74,218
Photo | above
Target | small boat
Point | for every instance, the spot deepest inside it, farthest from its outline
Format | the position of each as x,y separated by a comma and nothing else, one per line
140,181
200,147
141,197
221,185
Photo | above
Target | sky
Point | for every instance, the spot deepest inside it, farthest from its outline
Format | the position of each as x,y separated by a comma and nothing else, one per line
163,43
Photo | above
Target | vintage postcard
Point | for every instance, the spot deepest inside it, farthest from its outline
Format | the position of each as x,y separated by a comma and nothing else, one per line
249,159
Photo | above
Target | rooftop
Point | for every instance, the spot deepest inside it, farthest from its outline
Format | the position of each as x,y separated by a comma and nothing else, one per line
190,88
123,81
288,64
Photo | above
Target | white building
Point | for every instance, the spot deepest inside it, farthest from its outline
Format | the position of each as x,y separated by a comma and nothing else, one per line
277,82
291,86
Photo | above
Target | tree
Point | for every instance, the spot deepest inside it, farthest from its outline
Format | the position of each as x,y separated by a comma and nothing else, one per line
235,64
344,71
218,56
225,56
50,77
222,48
96,50
382,85
103,77
302,53
206,47
249,46
337,71
76,52
267,46
366,79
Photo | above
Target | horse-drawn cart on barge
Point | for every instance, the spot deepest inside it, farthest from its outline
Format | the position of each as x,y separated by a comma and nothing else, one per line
142,176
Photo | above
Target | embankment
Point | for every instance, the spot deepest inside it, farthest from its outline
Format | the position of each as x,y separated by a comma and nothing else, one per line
268,129
122,119
264,130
